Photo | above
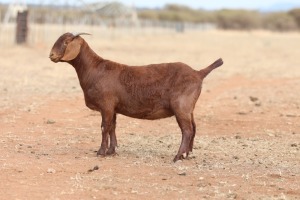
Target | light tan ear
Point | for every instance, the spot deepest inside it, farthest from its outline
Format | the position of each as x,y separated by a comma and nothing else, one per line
72,50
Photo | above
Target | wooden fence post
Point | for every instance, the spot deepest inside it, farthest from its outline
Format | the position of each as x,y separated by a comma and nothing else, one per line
22,27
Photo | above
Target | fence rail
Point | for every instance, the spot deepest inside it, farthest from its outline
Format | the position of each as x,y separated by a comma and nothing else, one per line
43,25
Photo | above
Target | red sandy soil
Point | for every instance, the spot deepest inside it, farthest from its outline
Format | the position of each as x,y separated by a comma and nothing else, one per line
248,130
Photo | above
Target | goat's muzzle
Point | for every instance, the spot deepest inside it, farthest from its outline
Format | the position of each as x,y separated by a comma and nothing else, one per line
53,57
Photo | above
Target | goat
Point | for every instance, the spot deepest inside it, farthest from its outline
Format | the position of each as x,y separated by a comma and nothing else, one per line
148,92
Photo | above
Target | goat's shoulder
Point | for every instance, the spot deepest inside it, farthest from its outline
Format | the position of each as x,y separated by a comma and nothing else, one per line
109,65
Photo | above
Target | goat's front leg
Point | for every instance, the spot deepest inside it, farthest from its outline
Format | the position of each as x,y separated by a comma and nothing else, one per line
113,139
106,126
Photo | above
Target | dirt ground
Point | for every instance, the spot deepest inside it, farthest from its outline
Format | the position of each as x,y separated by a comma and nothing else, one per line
247,144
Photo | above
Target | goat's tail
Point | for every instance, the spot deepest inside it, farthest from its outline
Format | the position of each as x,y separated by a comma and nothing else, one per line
204,72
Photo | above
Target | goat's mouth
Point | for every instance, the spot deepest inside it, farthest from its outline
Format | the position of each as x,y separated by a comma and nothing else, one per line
54,58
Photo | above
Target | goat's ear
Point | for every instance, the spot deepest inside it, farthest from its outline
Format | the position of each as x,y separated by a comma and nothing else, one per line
72,50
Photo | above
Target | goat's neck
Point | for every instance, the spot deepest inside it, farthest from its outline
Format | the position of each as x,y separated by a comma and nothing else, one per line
86,65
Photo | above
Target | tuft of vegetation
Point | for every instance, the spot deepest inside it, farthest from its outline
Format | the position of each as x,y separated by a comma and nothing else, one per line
279,21
236,19
177,13
295,13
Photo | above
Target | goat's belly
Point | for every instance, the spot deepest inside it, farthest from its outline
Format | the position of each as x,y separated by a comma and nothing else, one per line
159,114
148,114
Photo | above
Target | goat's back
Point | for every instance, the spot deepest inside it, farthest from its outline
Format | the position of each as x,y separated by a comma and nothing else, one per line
157,78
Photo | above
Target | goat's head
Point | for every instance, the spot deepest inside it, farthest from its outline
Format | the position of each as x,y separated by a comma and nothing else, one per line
67,47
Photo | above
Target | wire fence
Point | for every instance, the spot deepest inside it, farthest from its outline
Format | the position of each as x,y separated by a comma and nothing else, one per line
43,27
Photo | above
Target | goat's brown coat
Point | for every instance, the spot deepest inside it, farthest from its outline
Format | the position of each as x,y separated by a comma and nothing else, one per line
148,92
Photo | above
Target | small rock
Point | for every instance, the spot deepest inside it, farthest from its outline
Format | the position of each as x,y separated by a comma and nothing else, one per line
242,113
237,137
95,168
50,121
294,145
290,115
182,174
271,134
253,99
51,171
257,104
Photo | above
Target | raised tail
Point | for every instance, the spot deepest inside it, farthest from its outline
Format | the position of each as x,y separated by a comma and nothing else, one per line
204,72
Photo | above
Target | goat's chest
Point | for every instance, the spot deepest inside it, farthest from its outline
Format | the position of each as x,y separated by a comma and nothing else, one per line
92,99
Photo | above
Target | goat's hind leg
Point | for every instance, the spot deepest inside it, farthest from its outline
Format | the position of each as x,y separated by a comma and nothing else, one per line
194,133
186,126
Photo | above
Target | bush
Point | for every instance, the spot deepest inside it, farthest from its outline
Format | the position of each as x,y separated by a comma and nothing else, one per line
178,13
280,21
227,18
295,13
238,19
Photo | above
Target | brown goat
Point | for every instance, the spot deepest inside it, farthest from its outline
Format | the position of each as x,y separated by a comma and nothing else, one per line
149,92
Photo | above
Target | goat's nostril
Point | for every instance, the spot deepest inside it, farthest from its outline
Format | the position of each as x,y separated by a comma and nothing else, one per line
51,54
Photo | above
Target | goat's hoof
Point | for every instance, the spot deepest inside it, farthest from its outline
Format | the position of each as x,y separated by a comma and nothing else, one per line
186,155
177,157
111,152
101,153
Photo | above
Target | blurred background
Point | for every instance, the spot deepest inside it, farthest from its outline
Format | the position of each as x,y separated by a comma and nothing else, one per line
35,21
